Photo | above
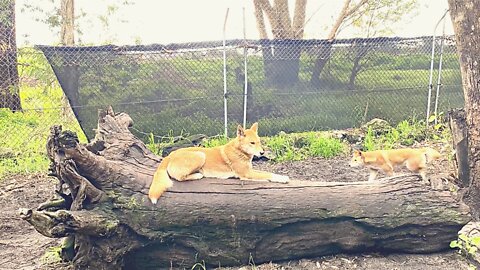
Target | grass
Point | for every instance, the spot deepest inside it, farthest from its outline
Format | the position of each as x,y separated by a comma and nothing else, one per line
285,147
405,133
23,150
215,141
298,146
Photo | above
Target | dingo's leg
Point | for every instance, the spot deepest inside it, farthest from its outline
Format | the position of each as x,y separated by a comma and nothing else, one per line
256,175
388,169
418,165
194,176
373,175
423,174
185,166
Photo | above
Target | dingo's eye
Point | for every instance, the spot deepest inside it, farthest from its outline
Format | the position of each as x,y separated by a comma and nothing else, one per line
252,142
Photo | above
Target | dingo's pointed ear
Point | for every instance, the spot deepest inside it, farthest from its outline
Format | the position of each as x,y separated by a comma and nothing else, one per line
240,131
357,153
254,127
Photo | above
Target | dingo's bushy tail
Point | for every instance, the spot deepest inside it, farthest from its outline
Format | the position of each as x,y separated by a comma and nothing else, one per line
432,154
161,182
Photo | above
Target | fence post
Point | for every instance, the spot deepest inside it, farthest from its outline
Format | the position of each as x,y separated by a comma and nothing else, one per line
225,110
245,90
430,82
439,80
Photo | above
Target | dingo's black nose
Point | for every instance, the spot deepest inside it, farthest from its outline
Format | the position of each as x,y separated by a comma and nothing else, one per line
262,152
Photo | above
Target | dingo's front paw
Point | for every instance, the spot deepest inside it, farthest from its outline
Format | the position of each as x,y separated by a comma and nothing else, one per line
280,178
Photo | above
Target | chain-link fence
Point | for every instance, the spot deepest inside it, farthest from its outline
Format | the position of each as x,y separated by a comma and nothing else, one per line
290,85
177,89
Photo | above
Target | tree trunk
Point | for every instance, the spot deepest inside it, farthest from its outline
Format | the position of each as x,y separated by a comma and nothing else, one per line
9,90
67,13
281,65
281,62
324,54
458,128
353,75
110,223
359,52
322,58
465,14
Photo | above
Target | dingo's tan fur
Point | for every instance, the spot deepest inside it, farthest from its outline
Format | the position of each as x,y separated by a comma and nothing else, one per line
385,160
233,159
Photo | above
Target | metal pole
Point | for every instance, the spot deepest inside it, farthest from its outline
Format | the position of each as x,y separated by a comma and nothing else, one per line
245,92
225,75
439,81
430,85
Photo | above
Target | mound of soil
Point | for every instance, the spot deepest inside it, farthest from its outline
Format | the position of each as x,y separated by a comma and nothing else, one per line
21,247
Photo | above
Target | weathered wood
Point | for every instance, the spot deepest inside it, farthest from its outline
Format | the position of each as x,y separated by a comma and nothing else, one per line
225,222
464,15
458,128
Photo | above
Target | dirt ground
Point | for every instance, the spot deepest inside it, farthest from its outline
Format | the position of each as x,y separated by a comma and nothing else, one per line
21,247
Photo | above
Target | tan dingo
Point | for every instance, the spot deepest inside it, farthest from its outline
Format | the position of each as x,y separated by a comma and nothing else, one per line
233,159
385,160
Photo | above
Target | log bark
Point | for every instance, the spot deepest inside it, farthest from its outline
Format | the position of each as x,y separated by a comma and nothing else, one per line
107,216
458,128
465,16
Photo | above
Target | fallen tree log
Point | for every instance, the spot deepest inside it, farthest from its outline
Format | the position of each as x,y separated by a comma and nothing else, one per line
110,223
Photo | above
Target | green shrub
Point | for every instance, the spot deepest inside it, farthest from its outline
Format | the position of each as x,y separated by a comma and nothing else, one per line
405,133
298,146
215,141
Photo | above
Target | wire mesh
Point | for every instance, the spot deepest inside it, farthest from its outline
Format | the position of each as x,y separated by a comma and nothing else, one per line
169,90
293,85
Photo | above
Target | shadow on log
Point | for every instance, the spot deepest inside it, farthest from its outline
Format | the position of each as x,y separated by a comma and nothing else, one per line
109,222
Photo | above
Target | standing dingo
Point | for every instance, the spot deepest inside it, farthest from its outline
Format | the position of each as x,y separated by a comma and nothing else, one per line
385,160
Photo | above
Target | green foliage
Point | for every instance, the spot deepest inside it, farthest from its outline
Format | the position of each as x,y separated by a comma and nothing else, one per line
380,17
321,146
406,133
298,146
283,146
151,145
157,143
466,245
439,131
23,150
52,255
215,141
295,146
48,12
369,141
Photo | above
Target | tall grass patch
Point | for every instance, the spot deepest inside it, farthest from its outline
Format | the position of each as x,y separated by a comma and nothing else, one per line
298,146
405,133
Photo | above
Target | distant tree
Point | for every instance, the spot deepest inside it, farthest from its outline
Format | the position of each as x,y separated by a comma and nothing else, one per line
67,15
378,19
60,16
281,63
465,16
9,91
360,13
